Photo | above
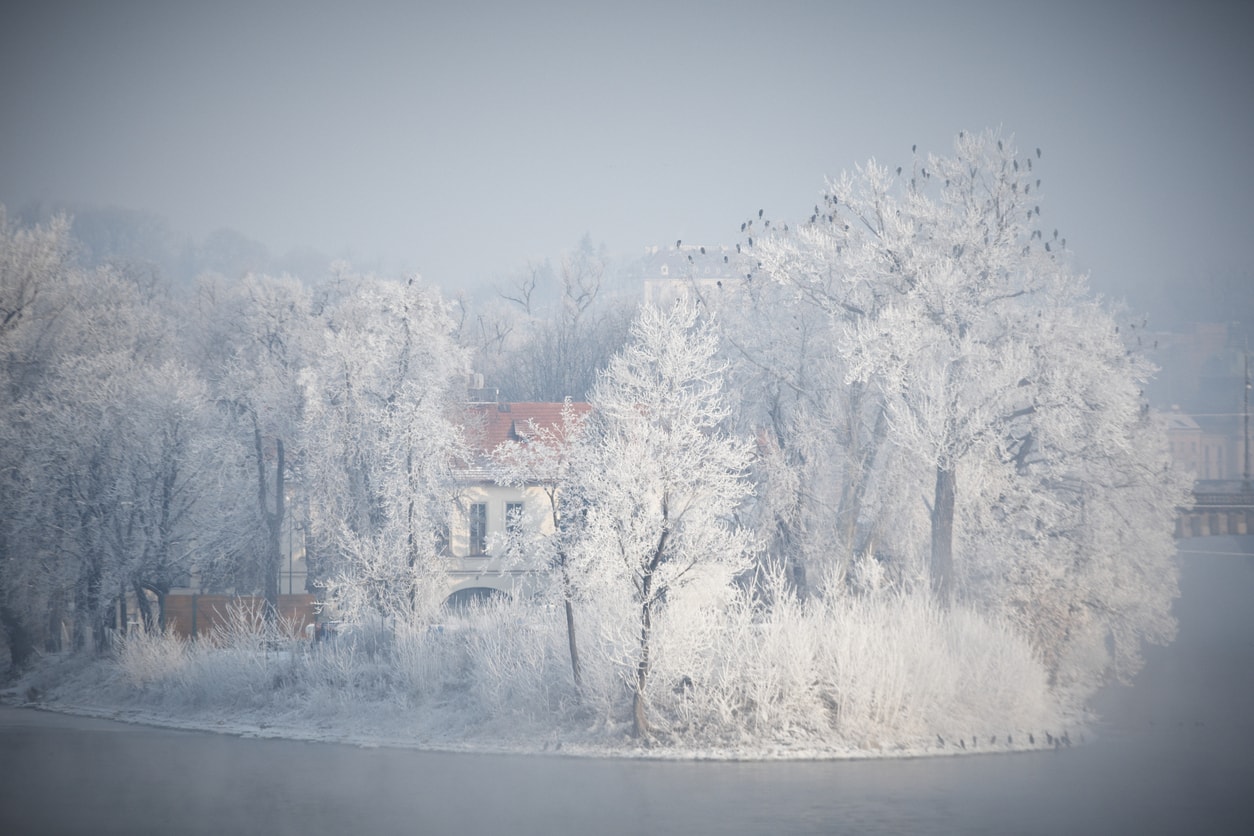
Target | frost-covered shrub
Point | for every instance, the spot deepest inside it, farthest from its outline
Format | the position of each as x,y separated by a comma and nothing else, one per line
241,661
516,659
148,657
873,671
429,660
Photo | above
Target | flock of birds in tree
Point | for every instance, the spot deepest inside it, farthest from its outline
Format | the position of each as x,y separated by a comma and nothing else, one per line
828,214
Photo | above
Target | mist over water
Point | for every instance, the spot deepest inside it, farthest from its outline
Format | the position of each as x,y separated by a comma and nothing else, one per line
1172,755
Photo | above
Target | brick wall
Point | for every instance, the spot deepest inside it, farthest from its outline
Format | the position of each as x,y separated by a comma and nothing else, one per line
191,616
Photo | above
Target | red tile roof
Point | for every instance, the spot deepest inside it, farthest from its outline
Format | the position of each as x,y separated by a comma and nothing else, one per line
491,424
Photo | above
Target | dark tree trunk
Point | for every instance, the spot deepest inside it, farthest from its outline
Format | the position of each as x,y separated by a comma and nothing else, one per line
942,563
21,639
145,608
570,643
272,563
639,719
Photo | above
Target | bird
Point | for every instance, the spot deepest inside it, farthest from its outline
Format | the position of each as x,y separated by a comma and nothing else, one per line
1049,738
914,148
677,243
899,169
941,740
724,259
1031,738
1010,740
703,251
1038,153
962,743
742,227
759,213
750,240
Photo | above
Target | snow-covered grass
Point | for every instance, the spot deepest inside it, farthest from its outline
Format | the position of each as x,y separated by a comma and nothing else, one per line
883,674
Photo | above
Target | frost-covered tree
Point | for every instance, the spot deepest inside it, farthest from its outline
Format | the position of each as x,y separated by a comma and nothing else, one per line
34,264
657,478
382,418
1009,409
259,335
550,331
819,435
109,452
543,459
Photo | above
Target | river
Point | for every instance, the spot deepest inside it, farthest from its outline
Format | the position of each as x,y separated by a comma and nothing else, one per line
1173,755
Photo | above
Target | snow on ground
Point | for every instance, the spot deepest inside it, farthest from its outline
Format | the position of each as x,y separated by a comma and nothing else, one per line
93,687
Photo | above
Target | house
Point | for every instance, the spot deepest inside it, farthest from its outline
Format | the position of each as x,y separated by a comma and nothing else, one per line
487,516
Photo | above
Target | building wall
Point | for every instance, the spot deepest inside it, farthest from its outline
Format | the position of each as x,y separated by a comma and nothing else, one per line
494,569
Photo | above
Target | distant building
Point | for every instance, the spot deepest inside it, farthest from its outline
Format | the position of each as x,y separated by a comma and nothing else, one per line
1215,451
671,273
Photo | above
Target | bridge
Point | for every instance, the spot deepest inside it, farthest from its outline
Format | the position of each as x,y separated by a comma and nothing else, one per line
1219,507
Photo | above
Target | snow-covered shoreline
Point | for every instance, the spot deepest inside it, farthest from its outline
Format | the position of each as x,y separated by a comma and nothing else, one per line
86,691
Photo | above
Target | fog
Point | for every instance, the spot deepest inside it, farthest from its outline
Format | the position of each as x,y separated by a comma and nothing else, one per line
462,141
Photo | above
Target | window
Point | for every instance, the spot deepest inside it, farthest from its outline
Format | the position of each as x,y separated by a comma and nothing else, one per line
513,518
478,528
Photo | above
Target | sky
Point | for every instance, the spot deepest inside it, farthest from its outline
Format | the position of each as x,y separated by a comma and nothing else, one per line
464,140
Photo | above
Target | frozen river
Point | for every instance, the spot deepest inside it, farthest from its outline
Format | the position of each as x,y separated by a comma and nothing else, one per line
1173,756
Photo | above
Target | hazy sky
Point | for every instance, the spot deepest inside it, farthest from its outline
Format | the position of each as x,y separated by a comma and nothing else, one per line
462,139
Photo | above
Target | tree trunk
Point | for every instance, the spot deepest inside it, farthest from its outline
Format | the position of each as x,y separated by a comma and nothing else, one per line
21,639
146,614
273,562
574,650
639,720
942,563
